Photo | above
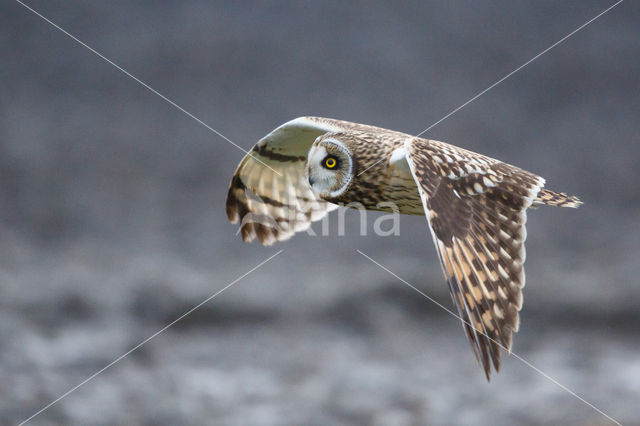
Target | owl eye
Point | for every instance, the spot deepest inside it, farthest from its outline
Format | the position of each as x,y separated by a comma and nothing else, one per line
330,162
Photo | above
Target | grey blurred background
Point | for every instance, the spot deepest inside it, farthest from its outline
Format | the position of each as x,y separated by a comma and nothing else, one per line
112,219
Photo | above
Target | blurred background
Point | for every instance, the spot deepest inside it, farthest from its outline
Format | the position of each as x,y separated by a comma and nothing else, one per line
112,219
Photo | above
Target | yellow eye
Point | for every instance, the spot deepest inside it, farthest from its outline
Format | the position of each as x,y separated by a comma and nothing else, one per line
330,162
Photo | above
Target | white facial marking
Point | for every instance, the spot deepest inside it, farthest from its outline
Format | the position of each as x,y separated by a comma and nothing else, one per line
322,178
326,181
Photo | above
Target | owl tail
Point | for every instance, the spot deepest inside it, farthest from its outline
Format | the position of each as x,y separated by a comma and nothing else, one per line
551,198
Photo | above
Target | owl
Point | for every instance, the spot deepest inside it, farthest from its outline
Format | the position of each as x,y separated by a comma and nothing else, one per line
475,207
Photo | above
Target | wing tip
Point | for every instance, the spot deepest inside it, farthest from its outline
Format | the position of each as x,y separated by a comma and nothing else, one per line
559,199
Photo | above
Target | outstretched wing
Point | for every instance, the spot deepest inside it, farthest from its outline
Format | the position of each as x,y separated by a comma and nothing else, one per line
269,195
476,210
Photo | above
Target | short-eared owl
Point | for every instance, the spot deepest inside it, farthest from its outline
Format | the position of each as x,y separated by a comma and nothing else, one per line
475,207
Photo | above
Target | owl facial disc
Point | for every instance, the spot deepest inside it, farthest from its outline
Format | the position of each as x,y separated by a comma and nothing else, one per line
329,167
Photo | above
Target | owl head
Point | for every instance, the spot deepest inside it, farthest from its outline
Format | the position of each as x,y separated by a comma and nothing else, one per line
330,166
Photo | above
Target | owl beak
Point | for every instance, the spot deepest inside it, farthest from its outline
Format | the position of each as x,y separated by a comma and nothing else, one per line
311,181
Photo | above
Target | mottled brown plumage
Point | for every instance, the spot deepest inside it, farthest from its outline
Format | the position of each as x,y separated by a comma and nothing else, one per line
475,207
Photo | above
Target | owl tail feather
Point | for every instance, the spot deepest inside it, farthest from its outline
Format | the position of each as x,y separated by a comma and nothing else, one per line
551,198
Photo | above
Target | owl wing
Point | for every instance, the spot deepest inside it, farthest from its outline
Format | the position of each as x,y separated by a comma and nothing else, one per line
269,194
476,211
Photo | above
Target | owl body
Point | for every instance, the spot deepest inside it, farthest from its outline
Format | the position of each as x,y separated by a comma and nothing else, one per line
475,207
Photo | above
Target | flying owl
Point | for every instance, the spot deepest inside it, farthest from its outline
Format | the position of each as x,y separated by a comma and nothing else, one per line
475,207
